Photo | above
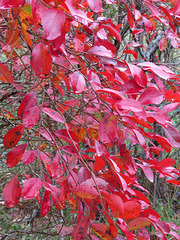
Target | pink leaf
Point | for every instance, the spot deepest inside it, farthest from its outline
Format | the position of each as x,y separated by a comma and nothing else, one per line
53,23
80,231
12,192
78,83
148,172
138,75
129,104
151,96
148,25
86,191
31,188
162,44
107,129
31,117
95,5
161,71
29,156
64,231
173,135
53,114
101,51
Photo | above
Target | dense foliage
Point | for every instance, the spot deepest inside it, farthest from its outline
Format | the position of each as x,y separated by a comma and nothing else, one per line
86,91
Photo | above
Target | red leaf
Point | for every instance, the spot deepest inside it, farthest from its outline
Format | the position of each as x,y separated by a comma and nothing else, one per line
6,73
138,75
129,17
85,191
165,144
107,129
29,156
99,163
114,93
95,5
173,96
163,44
41,60
31,117
167,162
80,231
135,54
148,25
151,96
53,114
138,223
175,182
56,195
53,23
116,204
115,32
46,203
132,209
78,83
15,155
10,3
31,188
12,192
13,136
27,103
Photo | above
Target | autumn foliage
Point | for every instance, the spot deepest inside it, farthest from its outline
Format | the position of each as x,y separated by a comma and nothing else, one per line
86,100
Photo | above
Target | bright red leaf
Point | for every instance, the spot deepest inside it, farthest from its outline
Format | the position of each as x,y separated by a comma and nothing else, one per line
31,188
27,103
167,162
13,136
132,210
15,155
12,192
41,60
46,203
